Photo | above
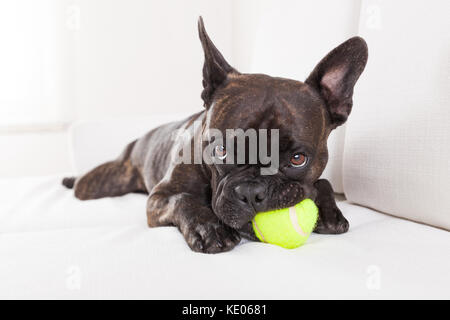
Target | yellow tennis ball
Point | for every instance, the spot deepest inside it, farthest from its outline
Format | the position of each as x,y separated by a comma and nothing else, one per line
288,228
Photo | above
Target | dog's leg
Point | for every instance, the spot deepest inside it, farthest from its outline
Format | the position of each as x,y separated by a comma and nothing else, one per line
202,230
111,179
331,220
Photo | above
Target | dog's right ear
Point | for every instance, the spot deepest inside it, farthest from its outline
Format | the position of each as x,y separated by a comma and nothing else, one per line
215,69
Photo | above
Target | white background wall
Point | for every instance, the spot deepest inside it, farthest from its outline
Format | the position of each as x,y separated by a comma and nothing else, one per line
137,57
35,87
68,60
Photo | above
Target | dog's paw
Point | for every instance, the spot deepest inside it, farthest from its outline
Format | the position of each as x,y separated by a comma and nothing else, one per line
332,222
211,237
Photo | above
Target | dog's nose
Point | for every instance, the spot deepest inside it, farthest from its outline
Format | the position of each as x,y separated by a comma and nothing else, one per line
251,194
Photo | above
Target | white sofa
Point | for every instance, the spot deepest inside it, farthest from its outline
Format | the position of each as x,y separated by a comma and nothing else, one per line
53,246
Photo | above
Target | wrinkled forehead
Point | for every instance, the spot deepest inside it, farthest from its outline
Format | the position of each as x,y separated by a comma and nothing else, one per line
263,102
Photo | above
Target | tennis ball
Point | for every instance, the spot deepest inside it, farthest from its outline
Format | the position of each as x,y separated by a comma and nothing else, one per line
288,228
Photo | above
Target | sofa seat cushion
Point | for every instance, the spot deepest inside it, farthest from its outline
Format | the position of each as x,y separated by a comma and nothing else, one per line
54,246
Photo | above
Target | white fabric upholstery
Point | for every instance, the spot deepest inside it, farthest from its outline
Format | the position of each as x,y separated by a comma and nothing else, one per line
397,147
54,246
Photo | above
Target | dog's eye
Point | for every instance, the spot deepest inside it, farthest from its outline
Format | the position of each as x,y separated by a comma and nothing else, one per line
220,152
299,160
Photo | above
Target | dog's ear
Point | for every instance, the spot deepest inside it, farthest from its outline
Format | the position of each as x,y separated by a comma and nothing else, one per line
335,76
215,69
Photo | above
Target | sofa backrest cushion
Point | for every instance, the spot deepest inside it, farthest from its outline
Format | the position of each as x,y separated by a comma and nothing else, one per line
397,144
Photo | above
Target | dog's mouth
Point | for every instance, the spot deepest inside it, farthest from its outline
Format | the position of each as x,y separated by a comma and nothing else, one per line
247,231
234,215
238,216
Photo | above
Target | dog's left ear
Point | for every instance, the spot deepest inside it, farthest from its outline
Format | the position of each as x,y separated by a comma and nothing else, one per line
335,76
215,69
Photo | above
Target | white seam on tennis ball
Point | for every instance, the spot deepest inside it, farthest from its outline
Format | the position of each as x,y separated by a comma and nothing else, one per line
257,228
294,221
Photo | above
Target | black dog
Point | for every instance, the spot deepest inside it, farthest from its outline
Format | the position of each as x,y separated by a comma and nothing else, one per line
213,204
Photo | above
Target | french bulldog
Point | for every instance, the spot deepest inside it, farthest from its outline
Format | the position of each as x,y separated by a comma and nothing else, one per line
212,203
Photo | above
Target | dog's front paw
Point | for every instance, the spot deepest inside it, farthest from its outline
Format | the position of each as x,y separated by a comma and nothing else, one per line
211,237
332,222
